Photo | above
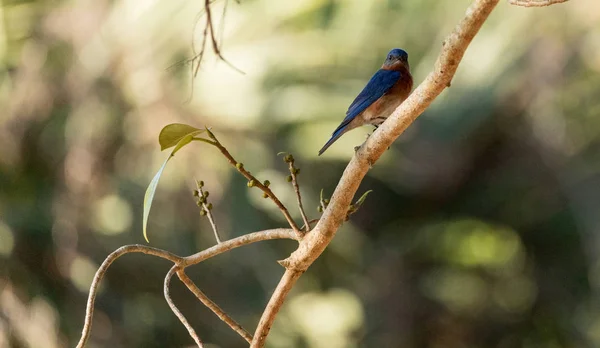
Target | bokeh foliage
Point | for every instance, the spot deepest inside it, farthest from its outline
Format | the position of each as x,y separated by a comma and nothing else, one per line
481,231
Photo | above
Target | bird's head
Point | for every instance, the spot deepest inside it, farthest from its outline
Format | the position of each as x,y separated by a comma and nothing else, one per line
396,58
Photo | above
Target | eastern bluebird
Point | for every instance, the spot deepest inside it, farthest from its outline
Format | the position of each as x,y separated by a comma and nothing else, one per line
389,87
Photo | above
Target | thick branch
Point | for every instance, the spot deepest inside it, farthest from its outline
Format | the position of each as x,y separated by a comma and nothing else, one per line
453,50
315,242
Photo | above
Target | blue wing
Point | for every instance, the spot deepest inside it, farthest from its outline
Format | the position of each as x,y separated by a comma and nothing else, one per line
379,84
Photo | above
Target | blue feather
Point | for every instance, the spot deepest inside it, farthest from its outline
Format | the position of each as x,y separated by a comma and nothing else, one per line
379,84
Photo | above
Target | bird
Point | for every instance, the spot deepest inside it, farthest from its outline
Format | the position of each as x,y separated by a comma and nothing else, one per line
387,89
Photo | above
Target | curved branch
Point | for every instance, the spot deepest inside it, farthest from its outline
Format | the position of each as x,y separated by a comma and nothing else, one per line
313,244
278,233
180,262
176,310
136,248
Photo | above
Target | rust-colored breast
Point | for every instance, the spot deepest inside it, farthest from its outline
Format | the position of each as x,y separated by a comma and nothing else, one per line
382,108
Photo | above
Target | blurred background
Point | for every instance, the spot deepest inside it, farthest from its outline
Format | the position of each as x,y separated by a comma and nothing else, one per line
483,228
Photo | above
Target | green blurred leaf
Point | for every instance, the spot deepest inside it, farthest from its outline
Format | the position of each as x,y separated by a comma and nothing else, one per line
172,134
149,196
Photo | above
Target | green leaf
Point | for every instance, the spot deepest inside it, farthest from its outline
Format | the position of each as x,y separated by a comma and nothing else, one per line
362,199
149,196
173,133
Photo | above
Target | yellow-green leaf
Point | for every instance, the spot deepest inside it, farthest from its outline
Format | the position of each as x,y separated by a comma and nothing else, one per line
173,133
149,196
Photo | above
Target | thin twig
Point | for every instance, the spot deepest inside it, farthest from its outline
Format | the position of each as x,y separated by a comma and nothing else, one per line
89,312
208,209
196,60
176,310
213,38
213,306
535,3
222,23
293,174
310,223
198,57
285,285
255,182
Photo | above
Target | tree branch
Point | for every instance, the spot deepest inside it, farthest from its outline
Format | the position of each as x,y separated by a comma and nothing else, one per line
278,233
176,310
315,242
284,287
213,306
535,3
453,50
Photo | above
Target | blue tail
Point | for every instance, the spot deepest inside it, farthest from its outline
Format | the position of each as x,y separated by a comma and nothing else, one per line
338,133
